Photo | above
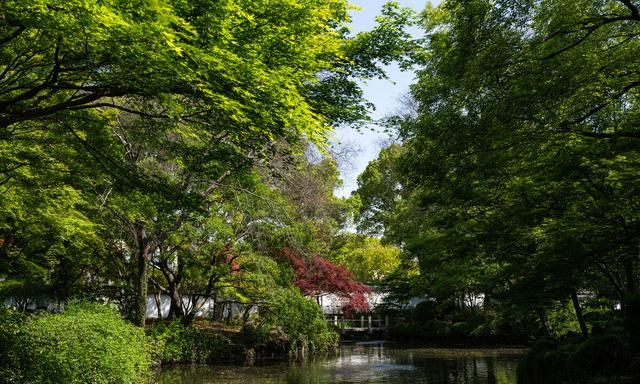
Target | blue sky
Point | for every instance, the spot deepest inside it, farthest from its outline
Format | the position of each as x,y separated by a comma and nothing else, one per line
384,94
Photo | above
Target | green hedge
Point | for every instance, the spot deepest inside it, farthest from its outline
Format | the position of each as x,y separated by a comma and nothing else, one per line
88,343
297,321
606,356
175,343
10,324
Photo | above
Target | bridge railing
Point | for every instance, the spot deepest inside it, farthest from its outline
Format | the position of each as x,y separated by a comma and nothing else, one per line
359,323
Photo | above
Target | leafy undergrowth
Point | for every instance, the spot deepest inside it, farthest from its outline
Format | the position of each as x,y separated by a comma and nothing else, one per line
287,324
600,358
202,343
88,343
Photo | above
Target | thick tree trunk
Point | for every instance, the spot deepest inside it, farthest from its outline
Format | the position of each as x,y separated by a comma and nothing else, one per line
216,313
177,310
578,309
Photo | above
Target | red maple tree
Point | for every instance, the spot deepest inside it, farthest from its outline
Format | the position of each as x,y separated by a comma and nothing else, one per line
316,276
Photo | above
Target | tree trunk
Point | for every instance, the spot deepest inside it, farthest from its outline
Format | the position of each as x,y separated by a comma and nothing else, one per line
247,313
187,320
158,304
177,310
197,304
229,313
217,309
546,326
143,257
578,309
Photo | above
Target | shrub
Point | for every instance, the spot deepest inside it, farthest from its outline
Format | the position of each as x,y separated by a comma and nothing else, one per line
578,362
288,323
424,311
600,315
603,354
462,329
299,320
211,347
428,330
175,343
169,343
10,323
88,343
254,335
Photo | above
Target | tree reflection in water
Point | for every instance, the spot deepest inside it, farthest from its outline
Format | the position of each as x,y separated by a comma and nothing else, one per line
365,363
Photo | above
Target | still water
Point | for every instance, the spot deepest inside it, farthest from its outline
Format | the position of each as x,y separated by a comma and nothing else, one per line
366,363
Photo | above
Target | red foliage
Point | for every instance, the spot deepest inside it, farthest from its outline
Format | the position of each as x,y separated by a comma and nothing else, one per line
318,276
230,259
356,303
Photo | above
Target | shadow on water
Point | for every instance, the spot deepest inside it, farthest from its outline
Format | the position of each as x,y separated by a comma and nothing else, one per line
366,363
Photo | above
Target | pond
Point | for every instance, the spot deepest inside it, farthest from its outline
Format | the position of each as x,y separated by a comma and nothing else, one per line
372,362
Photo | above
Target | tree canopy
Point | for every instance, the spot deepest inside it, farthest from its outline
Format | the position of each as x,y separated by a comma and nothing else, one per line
132,134
516,177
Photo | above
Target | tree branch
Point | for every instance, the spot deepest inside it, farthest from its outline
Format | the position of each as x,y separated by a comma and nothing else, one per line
12,36
158,285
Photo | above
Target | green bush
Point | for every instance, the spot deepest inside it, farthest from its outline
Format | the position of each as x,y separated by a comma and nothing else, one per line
175,343
88,343
254,335
169,343
457,326
462,329
605,355
10,324
298,321
424,311
599,314
288,323
211,347
428,330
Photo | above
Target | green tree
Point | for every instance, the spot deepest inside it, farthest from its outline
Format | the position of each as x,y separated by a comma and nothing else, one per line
379,189
366,257
140,114
518,170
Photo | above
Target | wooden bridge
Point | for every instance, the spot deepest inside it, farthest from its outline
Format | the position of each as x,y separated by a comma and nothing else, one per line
364,324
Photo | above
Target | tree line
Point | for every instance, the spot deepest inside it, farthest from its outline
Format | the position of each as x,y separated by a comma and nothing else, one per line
161,146
515,172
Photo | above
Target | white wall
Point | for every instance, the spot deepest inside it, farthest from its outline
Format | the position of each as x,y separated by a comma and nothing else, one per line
165,305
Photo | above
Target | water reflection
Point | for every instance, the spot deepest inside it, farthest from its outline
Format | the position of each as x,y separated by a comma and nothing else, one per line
366,363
